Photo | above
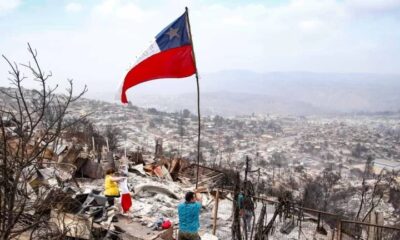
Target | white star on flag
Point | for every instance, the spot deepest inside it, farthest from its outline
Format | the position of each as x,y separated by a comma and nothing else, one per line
173,32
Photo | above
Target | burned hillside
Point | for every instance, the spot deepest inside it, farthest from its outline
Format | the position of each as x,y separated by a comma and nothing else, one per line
330,177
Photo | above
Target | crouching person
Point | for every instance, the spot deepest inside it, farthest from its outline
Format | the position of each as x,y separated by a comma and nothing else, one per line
189,217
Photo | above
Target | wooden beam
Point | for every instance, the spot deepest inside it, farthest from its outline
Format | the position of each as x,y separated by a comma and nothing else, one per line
215,213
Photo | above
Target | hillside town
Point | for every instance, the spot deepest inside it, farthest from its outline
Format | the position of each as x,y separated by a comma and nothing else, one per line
290,152
344,166
285,124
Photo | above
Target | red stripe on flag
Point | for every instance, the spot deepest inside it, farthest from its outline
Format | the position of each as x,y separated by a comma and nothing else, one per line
172,63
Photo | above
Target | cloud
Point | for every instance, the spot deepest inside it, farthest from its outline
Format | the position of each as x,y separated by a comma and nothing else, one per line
73,7
235,21
121,10
373,5
8,5
310,25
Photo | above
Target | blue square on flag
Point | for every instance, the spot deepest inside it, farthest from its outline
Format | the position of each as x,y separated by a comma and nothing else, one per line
174,35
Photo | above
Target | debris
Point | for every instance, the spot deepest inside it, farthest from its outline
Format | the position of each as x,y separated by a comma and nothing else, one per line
92,169
136,158
132,230
148,169
208,236
155,189
138,168
71,224
162,172
174,166
207,176
70,155
287,227
93,200
61,149
166,224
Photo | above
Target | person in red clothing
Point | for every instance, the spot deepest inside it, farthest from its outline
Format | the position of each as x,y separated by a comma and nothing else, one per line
126,200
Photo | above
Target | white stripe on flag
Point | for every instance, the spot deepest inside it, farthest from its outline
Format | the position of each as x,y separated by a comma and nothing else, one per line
151,50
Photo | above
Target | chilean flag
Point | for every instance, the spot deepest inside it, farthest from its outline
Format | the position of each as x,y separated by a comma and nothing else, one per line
169,56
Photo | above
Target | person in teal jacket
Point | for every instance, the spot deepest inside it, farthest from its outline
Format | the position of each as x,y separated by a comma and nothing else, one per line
246,211
189,217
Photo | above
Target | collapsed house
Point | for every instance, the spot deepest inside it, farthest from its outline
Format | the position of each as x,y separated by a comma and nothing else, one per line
70,181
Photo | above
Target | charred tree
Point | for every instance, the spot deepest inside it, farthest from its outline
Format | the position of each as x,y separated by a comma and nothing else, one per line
260,224
30,121
236,233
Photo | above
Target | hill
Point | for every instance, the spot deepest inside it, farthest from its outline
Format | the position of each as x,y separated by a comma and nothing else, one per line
294,93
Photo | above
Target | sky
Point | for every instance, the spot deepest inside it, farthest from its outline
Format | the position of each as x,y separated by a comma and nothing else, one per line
97,42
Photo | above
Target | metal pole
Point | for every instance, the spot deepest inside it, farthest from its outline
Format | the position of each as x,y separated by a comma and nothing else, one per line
198,96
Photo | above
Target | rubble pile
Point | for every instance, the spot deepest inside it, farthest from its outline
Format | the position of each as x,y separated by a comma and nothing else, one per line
70,183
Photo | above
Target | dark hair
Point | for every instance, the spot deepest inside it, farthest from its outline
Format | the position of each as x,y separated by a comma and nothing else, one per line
110,171
189,196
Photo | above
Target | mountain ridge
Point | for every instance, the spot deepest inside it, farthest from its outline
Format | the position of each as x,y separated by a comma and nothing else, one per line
296,93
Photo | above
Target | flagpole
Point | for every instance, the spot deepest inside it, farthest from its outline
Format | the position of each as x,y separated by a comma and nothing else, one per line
198,97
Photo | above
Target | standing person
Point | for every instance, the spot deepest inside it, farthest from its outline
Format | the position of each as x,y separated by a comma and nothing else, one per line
189,217
126,200
111,189
246,210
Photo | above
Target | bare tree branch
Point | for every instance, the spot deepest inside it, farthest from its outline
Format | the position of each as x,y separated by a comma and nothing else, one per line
31,120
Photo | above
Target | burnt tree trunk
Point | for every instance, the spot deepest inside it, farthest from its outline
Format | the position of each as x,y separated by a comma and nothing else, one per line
260,224
236,234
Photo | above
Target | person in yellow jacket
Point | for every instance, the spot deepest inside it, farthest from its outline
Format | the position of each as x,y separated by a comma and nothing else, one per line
111,189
